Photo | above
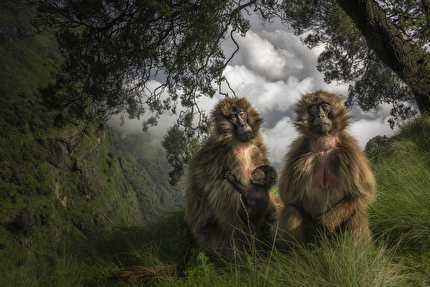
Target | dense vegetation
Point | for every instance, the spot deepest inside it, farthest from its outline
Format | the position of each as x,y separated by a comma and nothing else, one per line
401,215
59,182
55,182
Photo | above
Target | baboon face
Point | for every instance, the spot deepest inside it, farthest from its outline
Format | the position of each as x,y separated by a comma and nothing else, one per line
242,129
235,119
319,117
321,114
258,176
264,175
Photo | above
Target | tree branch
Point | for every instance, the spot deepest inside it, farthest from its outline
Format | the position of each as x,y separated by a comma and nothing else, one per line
392,47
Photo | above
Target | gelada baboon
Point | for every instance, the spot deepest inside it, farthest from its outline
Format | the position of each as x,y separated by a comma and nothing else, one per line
325,184
212,203
255,199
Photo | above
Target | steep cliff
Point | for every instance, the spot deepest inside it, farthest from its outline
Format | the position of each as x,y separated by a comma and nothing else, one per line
55,182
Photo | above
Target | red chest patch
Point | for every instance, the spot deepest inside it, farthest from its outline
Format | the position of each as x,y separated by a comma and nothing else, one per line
323,177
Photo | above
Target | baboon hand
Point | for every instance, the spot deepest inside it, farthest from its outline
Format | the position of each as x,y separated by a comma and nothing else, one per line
229,176
328,221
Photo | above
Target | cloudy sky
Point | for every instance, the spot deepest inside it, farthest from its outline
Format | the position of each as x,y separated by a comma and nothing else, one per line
272,69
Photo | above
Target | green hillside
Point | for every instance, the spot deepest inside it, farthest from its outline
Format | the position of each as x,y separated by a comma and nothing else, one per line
145,167
55,183
63,183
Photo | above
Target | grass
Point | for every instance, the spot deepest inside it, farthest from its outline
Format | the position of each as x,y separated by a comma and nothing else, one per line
339,262
401,214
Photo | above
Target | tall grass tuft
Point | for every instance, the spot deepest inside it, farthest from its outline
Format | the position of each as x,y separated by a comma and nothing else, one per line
402,210
340,261
401,213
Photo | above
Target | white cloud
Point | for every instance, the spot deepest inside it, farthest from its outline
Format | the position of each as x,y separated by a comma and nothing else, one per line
261,56
364,130
266,95
272,55
272,69
279,138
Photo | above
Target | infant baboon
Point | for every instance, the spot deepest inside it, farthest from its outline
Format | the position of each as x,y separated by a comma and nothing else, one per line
255,198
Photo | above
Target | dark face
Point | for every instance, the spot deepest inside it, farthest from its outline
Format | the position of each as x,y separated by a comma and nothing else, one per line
318,114
258,176
241,127
264,175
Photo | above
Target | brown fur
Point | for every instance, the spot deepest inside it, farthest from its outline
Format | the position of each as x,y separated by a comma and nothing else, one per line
211,202
325,184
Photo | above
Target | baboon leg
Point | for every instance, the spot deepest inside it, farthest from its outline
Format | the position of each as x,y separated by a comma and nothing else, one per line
357,226
291,227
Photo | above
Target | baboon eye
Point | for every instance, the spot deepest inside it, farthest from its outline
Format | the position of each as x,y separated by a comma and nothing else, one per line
233,117
314,108
242,114
325,107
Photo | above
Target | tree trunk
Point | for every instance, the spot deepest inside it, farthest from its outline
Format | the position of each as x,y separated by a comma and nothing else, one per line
392,47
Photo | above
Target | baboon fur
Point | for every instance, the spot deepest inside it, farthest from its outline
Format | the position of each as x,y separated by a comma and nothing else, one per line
335,161
212,203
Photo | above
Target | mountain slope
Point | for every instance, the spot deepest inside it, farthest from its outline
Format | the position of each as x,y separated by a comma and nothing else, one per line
55,182
145,167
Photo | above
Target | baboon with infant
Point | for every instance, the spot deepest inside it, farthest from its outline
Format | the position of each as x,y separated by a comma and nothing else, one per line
325,184
212,203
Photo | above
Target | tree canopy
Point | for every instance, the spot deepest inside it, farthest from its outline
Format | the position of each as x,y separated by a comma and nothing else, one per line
379,47
146,57
115,49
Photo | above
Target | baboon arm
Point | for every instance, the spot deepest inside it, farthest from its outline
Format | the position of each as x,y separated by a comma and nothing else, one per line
340,213
240,187
354,172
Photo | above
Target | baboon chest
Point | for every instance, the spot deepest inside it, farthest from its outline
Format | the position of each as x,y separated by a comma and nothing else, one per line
248,158
324,175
